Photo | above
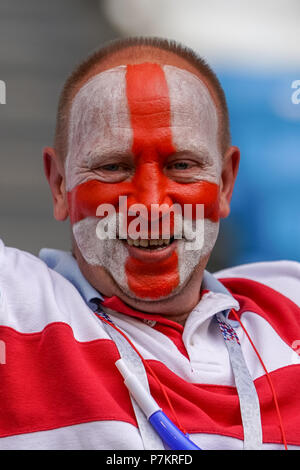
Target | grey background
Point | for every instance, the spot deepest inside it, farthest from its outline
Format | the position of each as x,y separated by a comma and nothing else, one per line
40,43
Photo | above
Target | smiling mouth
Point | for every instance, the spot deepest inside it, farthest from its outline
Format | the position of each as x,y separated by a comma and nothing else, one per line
150,245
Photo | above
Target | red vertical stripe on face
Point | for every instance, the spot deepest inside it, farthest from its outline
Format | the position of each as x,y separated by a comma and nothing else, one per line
150,118
149,107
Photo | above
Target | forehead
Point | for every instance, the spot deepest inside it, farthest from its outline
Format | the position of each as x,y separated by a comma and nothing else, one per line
107,86
104,108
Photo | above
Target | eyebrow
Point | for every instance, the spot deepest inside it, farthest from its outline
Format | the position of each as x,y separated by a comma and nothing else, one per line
201,153
107,154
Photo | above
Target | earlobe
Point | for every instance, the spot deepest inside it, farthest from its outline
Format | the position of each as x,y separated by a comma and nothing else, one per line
55,175
229,173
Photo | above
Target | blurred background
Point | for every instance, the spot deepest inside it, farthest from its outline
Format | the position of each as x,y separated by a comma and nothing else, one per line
252,45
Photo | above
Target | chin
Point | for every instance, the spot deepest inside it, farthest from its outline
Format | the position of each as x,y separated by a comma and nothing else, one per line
154,298
137,280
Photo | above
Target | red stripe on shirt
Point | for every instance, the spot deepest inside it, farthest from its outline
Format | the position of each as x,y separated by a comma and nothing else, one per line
171,329
51,380
214,409
279,311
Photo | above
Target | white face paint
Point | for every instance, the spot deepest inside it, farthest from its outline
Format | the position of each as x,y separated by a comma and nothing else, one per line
100,127
112,254
194,124
194,121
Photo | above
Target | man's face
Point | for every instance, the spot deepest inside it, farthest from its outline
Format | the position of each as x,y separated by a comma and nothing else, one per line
150,133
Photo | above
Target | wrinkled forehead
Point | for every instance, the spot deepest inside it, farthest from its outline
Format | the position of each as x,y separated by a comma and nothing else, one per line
101,112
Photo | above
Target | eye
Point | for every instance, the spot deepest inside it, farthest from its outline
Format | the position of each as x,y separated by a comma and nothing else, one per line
113,172
183,170
111,167
178,166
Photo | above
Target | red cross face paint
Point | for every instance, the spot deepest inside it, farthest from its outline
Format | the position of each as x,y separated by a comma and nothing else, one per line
147,132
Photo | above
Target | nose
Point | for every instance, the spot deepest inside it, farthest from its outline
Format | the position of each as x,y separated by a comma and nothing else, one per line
150,187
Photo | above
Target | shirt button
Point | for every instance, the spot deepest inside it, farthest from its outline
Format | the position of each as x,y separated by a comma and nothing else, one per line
150,322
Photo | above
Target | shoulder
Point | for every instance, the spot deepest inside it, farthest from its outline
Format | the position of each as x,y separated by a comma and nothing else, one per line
21,272
269,299
281,276
268,296
32,296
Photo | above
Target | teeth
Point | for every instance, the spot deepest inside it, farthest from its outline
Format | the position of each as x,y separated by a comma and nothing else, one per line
145,243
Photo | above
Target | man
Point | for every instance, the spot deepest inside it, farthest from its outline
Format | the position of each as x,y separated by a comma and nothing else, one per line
142,124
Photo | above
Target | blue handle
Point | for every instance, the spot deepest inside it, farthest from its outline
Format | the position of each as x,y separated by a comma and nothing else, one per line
170,434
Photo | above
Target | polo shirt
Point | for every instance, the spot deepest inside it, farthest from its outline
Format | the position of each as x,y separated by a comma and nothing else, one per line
60,388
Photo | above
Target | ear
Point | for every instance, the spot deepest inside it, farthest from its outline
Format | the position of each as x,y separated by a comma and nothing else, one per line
229,172
55,175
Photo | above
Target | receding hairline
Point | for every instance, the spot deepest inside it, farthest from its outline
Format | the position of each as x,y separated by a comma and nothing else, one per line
134,51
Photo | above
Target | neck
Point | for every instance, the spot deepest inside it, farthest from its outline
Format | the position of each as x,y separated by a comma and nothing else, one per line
176,308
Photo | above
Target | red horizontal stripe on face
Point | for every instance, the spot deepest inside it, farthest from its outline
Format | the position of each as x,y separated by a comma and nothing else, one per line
202,192
85,198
